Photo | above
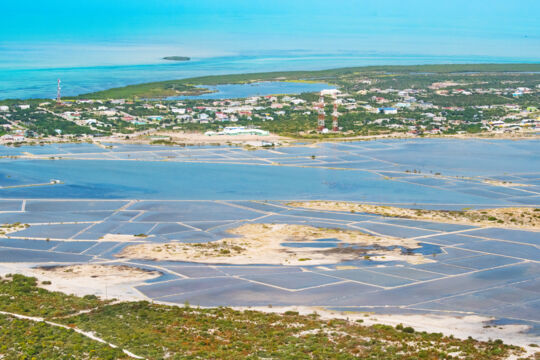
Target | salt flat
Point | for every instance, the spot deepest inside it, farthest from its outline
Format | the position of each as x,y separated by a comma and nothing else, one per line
196,194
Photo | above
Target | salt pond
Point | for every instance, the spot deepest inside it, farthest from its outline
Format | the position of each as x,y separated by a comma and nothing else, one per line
200,192
234,91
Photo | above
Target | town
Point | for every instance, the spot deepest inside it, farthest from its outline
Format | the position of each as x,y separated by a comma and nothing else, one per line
358,104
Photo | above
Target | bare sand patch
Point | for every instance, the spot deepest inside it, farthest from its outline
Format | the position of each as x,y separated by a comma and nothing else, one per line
105,281
504,183
511,217
122,237
194,138
262,244
112,282
113,274
347,267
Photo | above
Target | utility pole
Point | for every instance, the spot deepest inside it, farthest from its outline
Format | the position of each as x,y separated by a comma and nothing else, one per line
335,115
320,121
58,94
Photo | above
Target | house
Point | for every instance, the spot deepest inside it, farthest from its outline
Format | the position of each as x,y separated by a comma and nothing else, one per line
184,117
138,122
497,123
4,108
388,110
222,116
107,113
330,92
403,105
240,130
512,107
24,107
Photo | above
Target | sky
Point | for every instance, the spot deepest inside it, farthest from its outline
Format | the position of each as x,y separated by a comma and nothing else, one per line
231,27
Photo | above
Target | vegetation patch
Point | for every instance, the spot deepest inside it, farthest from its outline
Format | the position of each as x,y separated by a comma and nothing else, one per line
160,332
11,228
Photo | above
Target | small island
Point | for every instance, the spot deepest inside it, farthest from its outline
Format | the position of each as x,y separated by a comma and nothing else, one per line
177,58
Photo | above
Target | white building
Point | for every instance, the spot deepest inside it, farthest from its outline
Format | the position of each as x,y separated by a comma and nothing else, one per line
388,110
330,92
178,111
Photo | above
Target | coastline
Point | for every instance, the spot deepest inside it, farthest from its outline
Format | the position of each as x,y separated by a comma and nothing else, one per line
181,138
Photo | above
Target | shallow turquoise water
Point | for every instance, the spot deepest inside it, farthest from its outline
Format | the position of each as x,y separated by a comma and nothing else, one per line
38,82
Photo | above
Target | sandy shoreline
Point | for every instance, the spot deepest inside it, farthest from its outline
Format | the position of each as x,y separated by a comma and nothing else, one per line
510,217
192,138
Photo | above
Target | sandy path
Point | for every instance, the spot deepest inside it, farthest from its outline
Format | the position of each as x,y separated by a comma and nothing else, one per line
88,334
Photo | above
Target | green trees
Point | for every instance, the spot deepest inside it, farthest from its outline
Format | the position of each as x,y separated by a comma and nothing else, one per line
185,332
